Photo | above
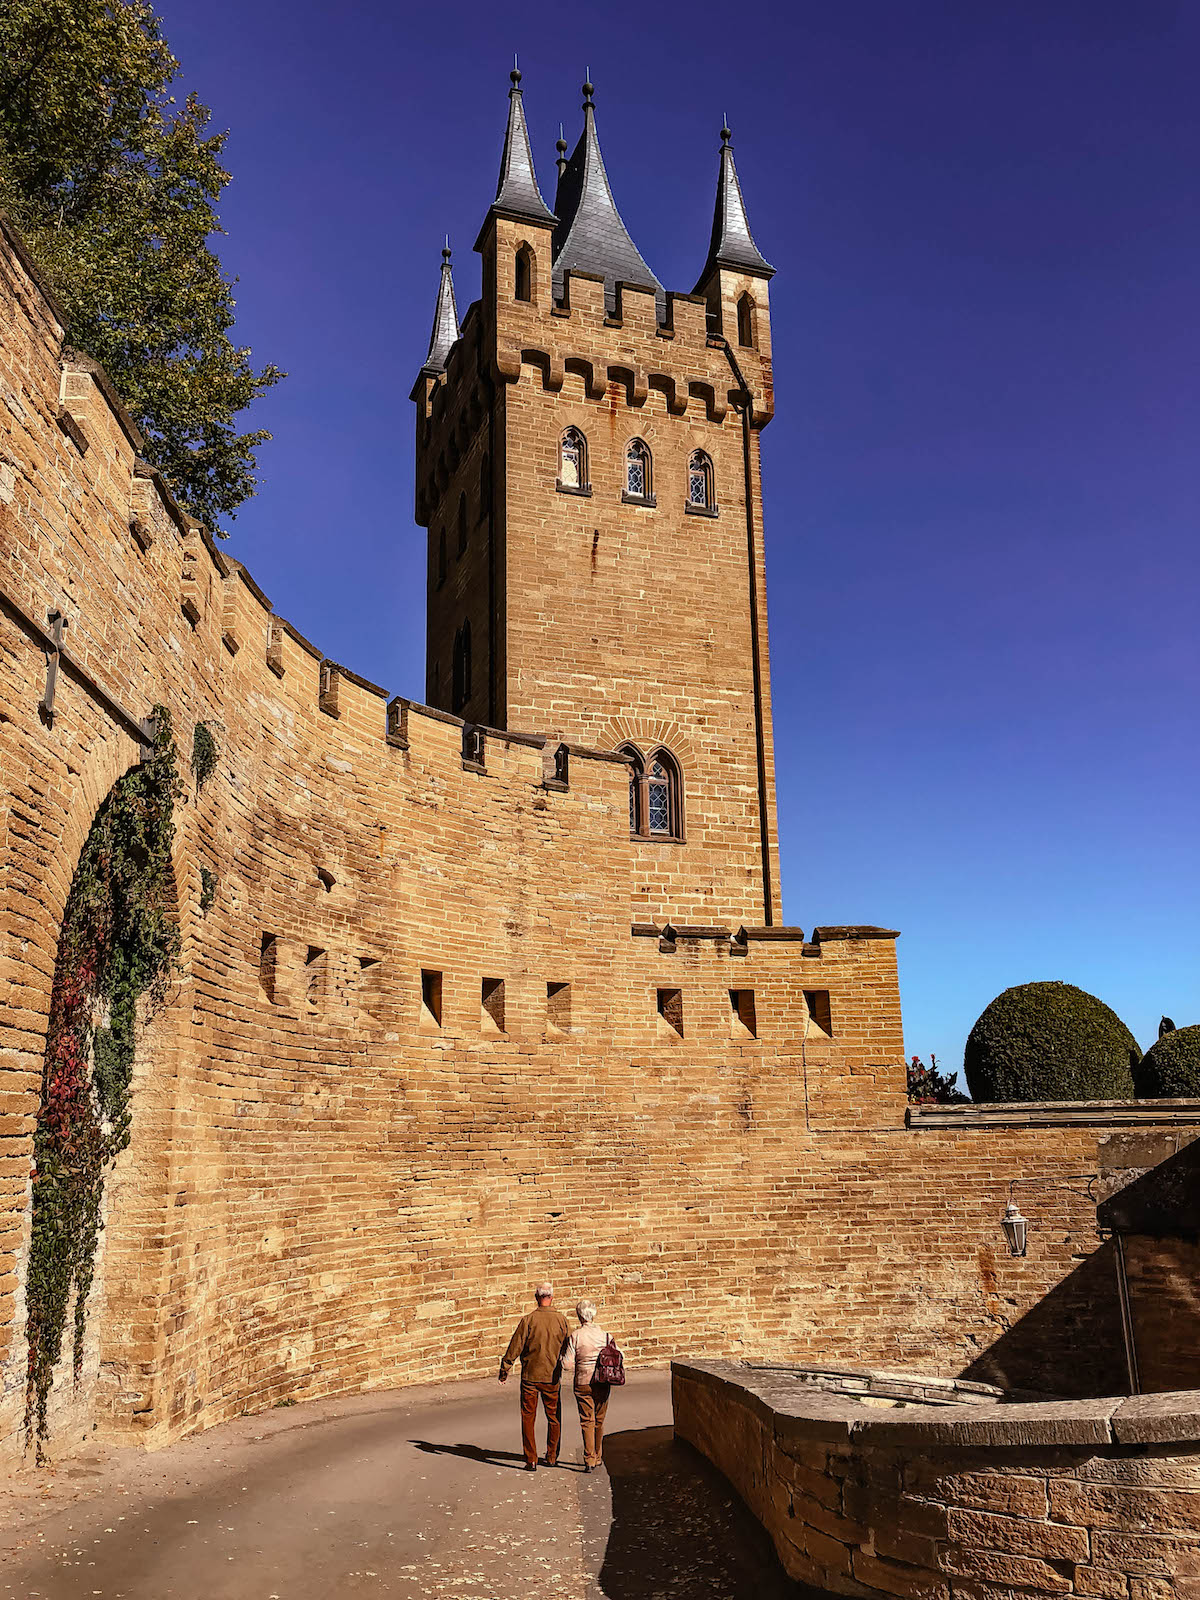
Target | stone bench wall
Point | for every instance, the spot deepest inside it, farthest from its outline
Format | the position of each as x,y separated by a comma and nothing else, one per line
985,1501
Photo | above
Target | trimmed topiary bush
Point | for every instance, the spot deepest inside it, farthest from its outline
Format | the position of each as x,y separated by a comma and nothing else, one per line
1050,1041
1170,1069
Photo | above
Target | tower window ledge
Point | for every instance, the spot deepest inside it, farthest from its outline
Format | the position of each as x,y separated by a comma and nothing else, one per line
639,500
572,488
701,511
614,322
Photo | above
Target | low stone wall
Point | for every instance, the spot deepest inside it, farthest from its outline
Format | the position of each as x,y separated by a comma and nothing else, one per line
927,1490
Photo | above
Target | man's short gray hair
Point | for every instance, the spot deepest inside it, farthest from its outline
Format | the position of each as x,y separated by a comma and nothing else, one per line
585,1311
544,1291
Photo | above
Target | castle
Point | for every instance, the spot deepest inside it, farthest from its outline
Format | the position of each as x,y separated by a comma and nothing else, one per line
494,986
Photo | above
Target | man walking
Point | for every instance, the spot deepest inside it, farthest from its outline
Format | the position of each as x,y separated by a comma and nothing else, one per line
538,1343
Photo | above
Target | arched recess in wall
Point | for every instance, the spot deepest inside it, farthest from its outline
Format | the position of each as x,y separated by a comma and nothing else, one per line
524,274
746,321
117,959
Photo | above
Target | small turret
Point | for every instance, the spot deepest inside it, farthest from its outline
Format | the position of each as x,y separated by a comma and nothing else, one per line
732,244
517,192
445,322
590,236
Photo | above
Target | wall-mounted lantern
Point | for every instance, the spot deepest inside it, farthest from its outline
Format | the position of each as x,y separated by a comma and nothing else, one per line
1016,1229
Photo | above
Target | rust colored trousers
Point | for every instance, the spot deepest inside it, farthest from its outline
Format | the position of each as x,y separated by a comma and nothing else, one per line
593,1403
550,1404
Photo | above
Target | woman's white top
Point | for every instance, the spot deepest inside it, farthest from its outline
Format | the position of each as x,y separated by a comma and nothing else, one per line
584,1345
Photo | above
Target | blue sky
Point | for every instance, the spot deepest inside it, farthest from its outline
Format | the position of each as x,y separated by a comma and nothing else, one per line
981,480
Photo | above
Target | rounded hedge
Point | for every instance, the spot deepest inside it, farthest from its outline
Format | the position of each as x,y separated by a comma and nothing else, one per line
1170,1069
1050,1041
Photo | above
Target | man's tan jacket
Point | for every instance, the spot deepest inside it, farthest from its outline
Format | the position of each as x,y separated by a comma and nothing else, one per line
538,1341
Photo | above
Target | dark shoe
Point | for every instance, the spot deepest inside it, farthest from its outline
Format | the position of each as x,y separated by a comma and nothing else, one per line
531,1466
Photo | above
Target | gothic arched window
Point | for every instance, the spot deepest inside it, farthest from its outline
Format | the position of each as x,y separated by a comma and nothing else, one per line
701,496
572,461
462,523
523,274
639,469
745,321
663,806
655,794
461,667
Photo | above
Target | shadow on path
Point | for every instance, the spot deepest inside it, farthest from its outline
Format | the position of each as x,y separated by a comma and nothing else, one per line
679,1532
473,1452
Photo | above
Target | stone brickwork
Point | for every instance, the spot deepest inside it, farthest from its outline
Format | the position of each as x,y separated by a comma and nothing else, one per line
958,1496
432,1040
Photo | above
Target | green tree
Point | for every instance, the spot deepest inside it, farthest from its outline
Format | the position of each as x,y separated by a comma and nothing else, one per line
114,186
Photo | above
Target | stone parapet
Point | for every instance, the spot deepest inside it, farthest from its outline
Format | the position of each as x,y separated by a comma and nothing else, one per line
885,1485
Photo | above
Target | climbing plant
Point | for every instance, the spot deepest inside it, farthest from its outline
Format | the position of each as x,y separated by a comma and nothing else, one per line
204,753
118,946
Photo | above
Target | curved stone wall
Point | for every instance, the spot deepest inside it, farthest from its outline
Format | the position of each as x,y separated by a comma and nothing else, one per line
895,1485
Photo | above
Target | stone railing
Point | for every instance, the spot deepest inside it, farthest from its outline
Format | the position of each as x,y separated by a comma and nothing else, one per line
874,1484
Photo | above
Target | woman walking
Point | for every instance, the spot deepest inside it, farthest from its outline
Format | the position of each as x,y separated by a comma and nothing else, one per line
591,1396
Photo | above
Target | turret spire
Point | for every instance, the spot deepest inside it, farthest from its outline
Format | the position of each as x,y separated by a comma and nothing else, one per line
732,244
590,236
445,320
517,192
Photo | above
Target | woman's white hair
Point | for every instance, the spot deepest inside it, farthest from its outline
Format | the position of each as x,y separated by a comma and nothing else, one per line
585,1311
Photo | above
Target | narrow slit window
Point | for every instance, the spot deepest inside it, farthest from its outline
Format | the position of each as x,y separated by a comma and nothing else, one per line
431,998
523,274
670,1012
817,1001
745,322
314,978
461,667
743,1019
492,1005
267,958
558,1010
462,524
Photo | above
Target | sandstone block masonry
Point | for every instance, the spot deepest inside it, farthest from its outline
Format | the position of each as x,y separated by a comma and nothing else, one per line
442,1026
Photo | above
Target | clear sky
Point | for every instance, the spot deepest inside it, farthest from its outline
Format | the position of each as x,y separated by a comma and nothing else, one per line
981,479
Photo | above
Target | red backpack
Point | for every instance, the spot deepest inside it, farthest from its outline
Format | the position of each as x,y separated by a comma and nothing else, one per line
610,1365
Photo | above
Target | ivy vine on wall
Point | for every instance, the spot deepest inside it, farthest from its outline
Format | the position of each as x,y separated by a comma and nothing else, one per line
118,946
204,753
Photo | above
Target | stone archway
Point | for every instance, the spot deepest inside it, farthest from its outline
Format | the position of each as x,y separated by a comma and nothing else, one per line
117,950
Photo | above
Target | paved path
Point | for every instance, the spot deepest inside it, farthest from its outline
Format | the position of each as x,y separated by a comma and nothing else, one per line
411,1494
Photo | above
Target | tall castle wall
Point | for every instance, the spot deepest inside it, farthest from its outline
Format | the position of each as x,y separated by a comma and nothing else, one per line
327,1188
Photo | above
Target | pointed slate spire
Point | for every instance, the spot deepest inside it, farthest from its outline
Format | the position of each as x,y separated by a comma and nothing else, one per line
517,192
590,236
445,320
732,244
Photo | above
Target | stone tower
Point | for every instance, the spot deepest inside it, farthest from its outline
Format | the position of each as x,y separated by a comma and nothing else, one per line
588,470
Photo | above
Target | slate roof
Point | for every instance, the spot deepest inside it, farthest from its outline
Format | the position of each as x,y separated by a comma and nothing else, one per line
590,236
517,192
732,244
445,321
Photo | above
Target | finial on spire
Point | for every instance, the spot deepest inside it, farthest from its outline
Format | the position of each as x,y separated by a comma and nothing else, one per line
732,244
560,144
589,89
